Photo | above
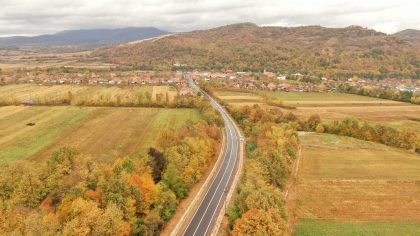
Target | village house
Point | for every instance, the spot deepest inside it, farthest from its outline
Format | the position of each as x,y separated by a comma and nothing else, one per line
269,74
186,91
281,77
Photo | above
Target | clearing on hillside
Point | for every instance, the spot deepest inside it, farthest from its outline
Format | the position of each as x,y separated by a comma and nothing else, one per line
104,133
343,180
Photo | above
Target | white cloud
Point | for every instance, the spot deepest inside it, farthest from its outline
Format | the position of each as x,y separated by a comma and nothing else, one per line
46,16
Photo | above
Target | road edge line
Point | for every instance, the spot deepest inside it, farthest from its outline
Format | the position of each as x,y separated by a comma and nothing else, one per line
235,181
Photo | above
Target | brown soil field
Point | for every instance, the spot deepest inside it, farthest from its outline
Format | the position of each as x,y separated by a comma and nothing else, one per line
342,178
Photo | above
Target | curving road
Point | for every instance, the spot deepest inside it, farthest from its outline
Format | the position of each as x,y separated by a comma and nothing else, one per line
206,213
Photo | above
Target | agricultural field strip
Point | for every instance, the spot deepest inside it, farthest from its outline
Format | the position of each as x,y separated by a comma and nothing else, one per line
88,134
324,97
40,117
21,92
49,126
383,177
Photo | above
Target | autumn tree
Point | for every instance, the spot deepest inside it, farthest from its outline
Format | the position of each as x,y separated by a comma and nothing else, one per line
260,222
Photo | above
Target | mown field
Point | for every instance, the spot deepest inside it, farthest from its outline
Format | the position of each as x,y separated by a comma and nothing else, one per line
352,187
304,99
356,228
333,106
15,94
102,132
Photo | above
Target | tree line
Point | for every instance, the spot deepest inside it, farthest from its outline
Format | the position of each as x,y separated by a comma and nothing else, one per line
135,99
391,94
351,127
272,146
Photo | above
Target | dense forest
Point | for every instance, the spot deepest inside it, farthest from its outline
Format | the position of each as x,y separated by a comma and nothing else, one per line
247,47
72,194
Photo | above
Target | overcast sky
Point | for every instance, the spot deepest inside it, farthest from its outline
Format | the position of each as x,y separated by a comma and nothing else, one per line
31,17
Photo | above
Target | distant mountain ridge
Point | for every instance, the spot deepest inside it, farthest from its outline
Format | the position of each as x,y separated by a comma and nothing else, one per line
306,49
86,37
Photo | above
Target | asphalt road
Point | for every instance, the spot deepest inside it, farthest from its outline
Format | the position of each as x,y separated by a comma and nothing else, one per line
203,219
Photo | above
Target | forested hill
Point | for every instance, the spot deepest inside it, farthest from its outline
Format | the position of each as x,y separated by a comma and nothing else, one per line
248,47
410,35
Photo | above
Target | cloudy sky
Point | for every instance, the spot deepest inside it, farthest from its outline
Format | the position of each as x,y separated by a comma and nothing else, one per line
31,17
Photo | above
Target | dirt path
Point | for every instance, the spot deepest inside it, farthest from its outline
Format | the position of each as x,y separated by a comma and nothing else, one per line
290,194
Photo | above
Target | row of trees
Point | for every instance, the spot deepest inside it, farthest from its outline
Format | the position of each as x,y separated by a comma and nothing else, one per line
137,99
401,138
123,99
74,195
271,149
352,127
391,94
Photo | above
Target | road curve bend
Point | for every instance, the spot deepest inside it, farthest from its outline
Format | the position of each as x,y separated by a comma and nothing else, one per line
214,199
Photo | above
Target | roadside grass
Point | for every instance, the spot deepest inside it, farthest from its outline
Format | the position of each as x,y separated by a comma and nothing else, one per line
357,228
101,132
346,179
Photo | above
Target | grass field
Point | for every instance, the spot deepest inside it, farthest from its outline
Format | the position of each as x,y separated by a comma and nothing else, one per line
104,133
84,95
312,96
332,106
356,228
232,93
342,180
312,99
239,98
399,117
18,93
304,99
